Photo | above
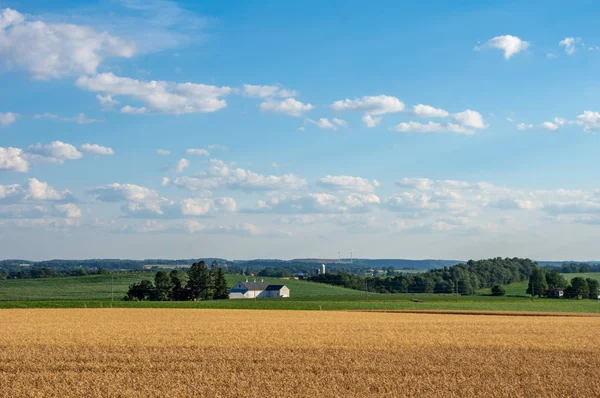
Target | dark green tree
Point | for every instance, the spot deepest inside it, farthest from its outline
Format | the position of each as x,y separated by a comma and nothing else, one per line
498,290
199,281
556,280
580,287
178,281
594,287
163,286
143,290
537,282
221,291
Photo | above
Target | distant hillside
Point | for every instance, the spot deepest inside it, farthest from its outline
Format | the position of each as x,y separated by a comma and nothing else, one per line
396,263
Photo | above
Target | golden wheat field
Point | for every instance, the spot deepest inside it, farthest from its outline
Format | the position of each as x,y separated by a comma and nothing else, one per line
230,353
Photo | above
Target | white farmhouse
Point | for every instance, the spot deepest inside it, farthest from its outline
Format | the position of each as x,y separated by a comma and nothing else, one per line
260,289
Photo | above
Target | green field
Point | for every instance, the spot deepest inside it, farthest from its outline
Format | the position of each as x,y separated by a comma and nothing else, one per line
104,287
95,291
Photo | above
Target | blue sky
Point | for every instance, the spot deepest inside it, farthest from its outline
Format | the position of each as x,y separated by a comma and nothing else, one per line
277,129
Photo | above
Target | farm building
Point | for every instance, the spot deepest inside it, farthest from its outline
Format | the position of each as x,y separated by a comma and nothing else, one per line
260,289
556,293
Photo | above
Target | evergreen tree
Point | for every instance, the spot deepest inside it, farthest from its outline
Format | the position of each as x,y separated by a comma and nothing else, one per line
178,280
221,289
199,281
163,286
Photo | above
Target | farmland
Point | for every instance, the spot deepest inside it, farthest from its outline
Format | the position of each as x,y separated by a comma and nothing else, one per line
154,352
95,292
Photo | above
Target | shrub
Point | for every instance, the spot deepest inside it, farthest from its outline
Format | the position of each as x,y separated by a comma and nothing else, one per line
498,290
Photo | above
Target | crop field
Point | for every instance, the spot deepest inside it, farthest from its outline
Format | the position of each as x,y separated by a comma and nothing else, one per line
212,353
103,287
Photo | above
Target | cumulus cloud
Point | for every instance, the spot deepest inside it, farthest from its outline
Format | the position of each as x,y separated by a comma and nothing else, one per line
221,174
96,149
69,209
511,45
290,106
182,164
7,118
107,101
204,206
432,127
163,152
39,190
429,111
197,152
549,126
589,120
13,159
372,106
267,91
470,118
158,96
164,181
569,43
322,123
55,152
347,183
49,50
340,122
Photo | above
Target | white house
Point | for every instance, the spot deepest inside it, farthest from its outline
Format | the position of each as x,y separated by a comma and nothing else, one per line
260,289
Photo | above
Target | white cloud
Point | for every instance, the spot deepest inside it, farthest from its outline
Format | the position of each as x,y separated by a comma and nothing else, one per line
48,50
55,152
69,209
429,111
470,118
322,123
159,96
371,106
204,206
163,152
164,181
96,149
132,110
371,121
267,91
340,122
39,190
524,126
356,200
290,106
589,120
220,174
7,118
197,152
13,159
347,183
432,127
245,229
182,164
511,45
549,126
107,101
569,43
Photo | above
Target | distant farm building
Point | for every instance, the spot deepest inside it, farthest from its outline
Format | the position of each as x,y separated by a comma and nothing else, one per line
556,293
260,289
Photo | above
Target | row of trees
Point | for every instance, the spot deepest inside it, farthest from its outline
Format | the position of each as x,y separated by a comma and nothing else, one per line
541,281
573,268
199,283
44,272
460,278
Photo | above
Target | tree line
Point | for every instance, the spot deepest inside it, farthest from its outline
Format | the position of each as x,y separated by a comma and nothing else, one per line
199,283
573,268
541,281
464,278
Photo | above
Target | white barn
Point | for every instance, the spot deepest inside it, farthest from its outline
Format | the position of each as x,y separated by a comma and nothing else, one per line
261,289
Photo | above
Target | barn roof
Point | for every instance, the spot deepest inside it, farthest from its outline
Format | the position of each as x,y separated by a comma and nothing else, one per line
251,285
